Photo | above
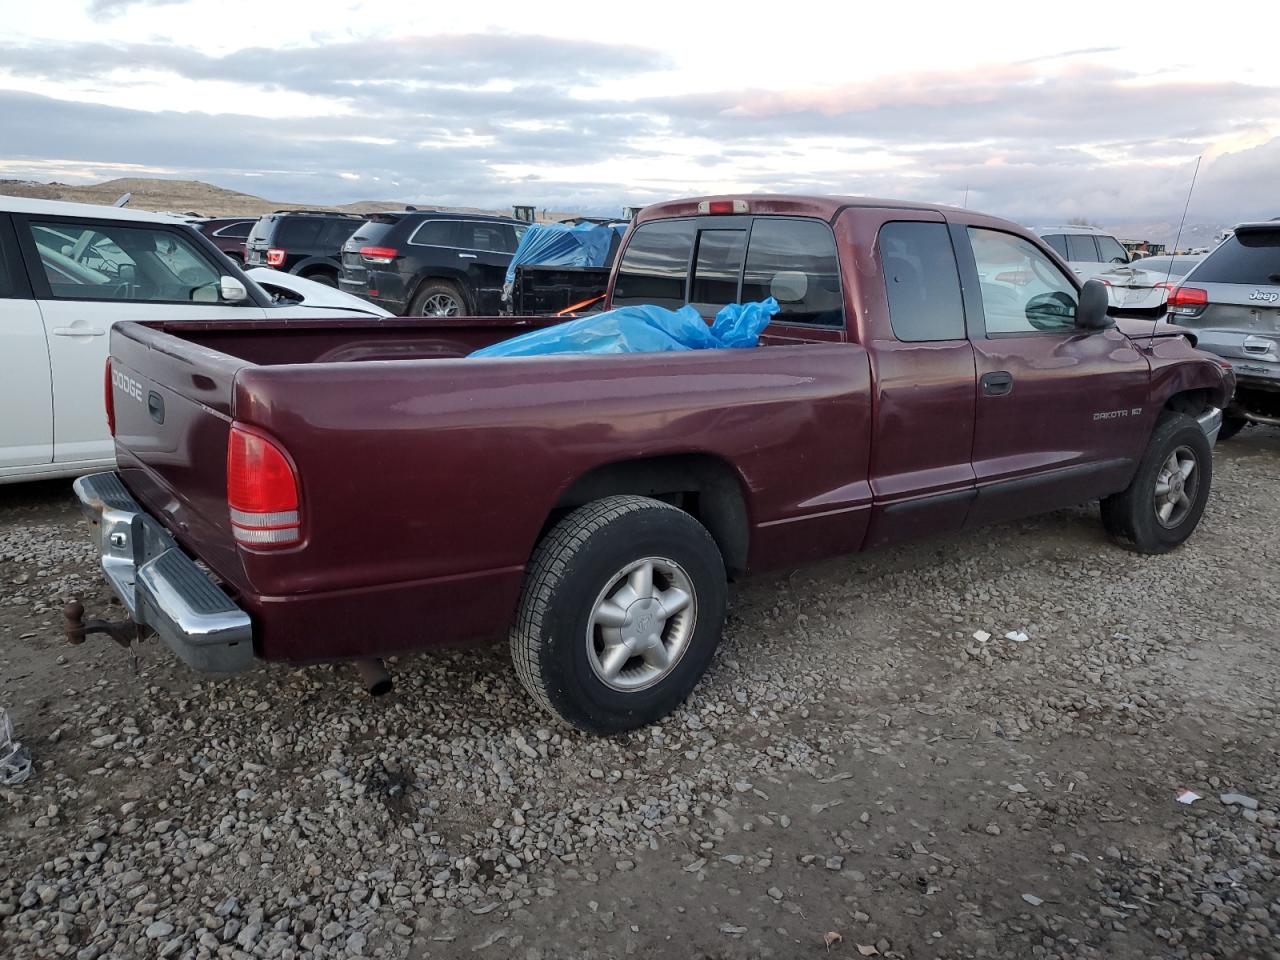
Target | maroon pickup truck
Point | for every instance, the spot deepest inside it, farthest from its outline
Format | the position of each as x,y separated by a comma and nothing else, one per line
307,491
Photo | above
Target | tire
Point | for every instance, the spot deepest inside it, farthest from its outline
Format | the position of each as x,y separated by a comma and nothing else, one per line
1132,515
322,276
590,561
438,298
1231,426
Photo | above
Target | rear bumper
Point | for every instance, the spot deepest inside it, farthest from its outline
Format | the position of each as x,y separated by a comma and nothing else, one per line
160,586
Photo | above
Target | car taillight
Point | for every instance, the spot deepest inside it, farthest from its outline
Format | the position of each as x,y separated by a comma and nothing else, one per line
262,492
378,254
109,398
275,257
1187,301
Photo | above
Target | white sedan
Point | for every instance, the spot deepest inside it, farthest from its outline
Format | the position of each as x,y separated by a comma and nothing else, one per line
1144,285
68,271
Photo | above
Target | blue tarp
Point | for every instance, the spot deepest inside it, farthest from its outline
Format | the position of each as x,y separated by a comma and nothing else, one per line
642,329
562,245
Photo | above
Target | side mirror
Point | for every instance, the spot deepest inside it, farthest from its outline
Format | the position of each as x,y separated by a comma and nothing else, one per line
1092,312
231,290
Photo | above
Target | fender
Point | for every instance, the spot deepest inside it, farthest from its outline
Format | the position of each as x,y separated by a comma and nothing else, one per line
1177,367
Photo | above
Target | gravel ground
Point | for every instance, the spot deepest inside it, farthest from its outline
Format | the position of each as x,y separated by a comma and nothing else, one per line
857,775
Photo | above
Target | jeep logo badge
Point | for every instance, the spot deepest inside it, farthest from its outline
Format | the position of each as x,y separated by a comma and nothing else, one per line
1266,296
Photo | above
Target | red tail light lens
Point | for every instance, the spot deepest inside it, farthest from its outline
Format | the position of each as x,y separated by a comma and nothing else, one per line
262,492
109,397
378,254
275,257
1187,301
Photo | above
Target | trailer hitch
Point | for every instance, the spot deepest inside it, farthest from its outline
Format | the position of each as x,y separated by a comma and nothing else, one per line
78,629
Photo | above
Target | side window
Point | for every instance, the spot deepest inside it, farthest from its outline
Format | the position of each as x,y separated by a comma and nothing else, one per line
1022,290
436,233
1059,244
717,266
336,233
1110,251
236,230
484,236
922,281
655,264
300,232
1081,249
124,262
794,261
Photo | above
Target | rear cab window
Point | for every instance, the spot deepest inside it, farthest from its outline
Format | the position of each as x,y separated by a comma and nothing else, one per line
1250,257
711,261
922,281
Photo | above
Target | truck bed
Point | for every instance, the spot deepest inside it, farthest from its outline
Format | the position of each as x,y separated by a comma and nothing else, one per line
425,477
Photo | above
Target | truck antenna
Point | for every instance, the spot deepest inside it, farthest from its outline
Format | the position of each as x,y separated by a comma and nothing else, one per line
1176,243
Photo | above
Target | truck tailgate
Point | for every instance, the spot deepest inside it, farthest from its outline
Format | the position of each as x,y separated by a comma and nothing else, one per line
172,402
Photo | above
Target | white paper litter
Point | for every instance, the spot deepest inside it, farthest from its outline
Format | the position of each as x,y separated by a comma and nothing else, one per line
1032,899
1017,636
981,636
15,759
1188,797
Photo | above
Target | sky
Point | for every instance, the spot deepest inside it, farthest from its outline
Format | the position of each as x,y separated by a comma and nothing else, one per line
1034,111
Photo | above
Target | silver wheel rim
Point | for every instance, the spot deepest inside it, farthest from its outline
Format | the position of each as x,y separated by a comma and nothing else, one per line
1176,486
440,305
641,624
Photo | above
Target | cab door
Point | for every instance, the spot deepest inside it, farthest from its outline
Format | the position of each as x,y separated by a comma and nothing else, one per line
89,274
26,393
1060,410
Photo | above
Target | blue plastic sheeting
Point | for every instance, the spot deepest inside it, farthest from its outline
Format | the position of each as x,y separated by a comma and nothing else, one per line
562,245
643,329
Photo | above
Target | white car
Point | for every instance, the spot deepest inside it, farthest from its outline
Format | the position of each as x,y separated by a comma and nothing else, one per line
68,271
1143,286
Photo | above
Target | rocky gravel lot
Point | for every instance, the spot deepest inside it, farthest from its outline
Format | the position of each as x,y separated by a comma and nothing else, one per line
858,775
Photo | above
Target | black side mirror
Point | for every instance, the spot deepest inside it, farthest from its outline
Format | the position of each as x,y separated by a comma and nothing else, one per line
1092,312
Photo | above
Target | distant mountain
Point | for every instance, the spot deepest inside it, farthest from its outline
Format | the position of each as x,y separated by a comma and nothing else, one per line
204,199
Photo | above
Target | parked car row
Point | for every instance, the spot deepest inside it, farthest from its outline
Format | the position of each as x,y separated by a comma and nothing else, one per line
68,271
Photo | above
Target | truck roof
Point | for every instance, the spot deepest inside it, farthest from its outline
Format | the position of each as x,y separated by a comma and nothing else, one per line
785,204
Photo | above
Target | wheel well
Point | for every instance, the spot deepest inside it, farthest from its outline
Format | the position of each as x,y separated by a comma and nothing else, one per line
704,486
1191,402
318,268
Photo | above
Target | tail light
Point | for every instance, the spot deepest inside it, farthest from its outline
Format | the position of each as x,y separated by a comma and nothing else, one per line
109,397
378,254
275,257
262,492
1187,301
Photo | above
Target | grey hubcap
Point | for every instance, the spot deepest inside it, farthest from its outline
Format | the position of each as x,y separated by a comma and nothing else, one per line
440,305
1176,486
641,624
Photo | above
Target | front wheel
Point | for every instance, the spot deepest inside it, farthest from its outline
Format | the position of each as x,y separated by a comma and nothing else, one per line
621,611
1163,504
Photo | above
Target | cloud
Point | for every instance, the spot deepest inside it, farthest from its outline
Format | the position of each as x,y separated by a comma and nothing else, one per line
103,9
491,119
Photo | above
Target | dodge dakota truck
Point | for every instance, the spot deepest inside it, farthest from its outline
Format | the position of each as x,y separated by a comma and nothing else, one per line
313,491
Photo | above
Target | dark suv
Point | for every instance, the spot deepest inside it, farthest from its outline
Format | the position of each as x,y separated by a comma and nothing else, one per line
228,234
305,242
1231,299
423,263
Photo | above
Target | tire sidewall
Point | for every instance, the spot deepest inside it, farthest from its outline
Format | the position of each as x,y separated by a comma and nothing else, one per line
572,686
1148,532
439,286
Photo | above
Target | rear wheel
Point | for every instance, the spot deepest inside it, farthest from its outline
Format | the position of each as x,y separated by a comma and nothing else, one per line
322,276
1163,504
621,612
1231,426
438,298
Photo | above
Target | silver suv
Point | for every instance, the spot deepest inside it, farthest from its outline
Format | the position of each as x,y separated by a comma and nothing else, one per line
1232,301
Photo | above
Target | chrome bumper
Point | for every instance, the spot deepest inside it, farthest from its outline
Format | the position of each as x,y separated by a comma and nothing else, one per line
161,586
1211,422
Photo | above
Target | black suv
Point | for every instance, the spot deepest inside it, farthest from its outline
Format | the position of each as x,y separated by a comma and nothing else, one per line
305,242
423,263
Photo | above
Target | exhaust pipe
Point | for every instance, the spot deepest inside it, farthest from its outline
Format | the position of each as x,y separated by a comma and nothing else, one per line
374,676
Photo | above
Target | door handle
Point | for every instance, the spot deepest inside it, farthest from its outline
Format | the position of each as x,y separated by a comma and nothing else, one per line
466,256
997,384
85,331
